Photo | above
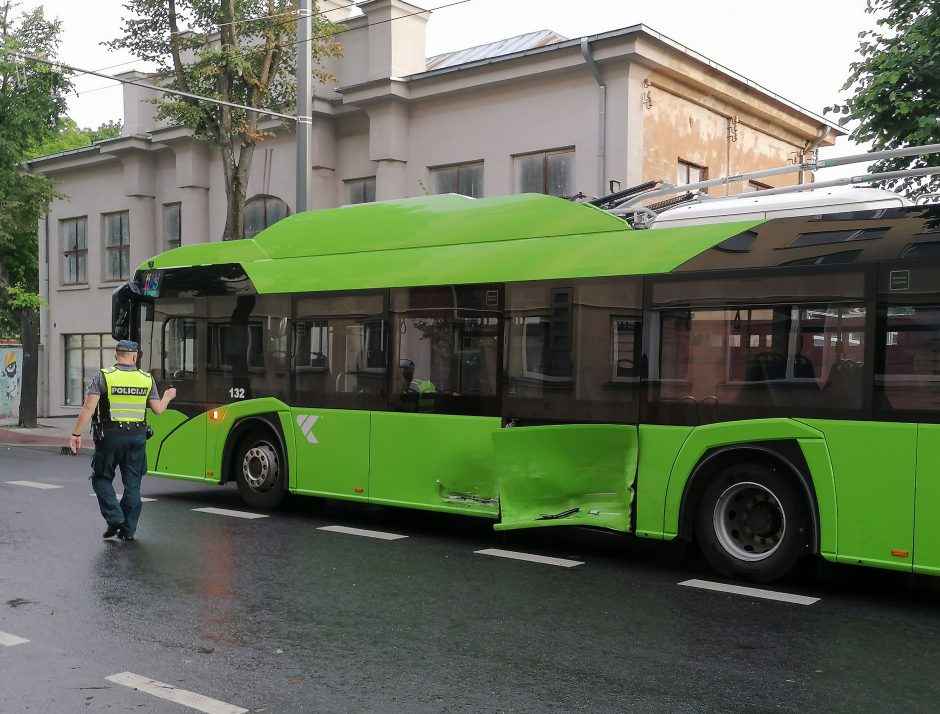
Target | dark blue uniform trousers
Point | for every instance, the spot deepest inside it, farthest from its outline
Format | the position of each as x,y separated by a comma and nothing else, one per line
127,449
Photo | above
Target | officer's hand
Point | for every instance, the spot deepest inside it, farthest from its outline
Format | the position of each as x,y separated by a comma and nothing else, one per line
170,394
75,443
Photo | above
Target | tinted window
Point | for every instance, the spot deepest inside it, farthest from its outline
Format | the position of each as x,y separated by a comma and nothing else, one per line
716,364
573,350
246,347
339,351
824,237
910,377
446,347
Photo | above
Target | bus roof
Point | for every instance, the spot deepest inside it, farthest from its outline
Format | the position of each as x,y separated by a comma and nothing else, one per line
448,239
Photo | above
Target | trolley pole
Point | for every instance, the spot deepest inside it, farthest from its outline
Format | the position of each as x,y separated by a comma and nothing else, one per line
304,124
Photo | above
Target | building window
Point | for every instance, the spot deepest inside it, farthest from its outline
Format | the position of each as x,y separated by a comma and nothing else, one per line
465,179
361,190
756,186
172,230
75,251
85,355
117,246
550,172
687,172
261,212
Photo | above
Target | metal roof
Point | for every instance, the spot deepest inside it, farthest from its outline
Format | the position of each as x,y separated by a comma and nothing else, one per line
520,43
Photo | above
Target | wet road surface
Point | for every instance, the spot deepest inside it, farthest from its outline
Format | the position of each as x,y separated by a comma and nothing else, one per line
318,608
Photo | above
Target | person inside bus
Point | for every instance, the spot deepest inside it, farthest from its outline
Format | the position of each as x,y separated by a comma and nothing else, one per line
416,394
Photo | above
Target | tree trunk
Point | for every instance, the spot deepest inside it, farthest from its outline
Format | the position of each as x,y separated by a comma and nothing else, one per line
237,170
29,384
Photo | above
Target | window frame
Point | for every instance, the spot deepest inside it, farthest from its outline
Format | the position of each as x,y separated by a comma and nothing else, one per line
122,248
76,254
545,155
687,166
266,201
81,350
435,172
176,241
362,183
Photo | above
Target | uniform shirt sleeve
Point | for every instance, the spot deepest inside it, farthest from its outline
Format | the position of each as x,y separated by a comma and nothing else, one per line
97,383
154,394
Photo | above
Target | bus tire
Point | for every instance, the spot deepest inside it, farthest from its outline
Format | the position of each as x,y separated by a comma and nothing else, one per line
752,522
260,470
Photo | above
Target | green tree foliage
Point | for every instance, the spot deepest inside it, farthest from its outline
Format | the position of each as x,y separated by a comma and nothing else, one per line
239,51
896,100
69,136
32,102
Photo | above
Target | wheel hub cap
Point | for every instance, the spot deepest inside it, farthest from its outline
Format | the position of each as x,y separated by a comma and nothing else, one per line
749,521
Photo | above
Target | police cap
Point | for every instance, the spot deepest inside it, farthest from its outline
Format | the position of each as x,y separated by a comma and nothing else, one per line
127,346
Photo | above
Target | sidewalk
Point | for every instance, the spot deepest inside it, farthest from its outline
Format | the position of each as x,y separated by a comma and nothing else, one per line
51,434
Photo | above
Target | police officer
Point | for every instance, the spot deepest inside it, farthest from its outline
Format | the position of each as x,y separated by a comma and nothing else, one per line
117,401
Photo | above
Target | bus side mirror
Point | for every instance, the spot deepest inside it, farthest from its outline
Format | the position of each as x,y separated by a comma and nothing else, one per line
120,319
121,302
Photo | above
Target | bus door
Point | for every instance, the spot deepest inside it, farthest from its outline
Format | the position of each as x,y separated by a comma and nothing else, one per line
172,339
432,446
339,373
907,386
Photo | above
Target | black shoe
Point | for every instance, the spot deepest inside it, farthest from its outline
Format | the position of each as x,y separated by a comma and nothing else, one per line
113,529
123,536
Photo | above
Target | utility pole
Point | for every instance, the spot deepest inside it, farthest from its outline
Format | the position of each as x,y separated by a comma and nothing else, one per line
304,124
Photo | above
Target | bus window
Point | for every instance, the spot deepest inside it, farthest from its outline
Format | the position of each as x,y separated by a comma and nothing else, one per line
910,377
339,351
447,346
721,363
572,350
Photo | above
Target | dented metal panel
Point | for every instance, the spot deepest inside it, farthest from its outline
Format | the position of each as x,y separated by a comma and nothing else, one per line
566,475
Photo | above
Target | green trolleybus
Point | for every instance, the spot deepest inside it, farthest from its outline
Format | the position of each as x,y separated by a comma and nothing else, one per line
765,388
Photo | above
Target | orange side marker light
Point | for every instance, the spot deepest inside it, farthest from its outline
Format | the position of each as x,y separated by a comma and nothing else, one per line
358,489
900,553
215,415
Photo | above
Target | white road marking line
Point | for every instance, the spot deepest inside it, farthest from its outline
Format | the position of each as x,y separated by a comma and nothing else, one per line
33,484
227,512
173,694
8,640
751,592
562,562
143,499
361,532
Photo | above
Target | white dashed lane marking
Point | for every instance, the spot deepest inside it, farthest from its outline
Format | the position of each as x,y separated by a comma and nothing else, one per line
233,514
33,484
8,640
362,532
174,694
750,592
544,559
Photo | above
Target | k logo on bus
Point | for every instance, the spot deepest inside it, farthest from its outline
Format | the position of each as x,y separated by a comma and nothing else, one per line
306,422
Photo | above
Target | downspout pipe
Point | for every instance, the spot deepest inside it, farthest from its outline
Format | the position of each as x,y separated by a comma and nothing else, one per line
812,146
601,116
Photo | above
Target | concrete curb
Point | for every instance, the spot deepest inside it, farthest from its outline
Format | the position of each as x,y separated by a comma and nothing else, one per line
52,448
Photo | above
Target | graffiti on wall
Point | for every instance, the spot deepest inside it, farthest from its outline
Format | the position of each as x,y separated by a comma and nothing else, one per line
12,360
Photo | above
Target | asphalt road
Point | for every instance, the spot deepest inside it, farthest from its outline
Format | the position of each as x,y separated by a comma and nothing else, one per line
285,613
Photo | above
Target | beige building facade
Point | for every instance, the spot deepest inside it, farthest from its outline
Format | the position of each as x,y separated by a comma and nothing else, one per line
538,113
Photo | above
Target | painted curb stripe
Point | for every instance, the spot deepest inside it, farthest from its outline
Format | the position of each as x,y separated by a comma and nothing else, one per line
173,694
362,532
8,640
546,560
33,484
234,514
751,592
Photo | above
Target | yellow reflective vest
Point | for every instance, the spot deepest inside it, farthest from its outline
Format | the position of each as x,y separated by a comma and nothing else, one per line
127,392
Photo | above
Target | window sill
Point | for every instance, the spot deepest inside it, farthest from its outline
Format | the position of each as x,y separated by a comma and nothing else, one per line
74,286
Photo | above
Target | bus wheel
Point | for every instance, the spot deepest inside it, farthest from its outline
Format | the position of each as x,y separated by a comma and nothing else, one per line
260,471
753,523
